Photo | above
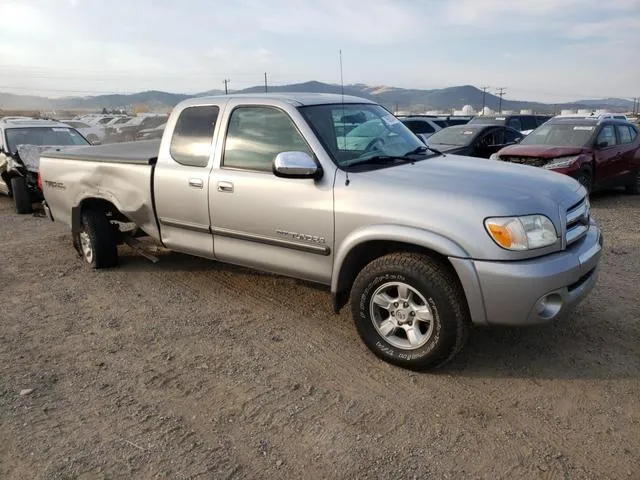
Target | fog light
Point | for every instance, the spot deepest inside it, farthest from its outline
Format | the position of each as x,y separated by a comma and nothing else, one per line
549,306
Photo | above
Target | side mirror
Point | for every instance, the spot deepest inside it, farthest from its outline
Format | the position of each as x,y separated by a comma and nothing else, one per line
296,165
95,142
602,144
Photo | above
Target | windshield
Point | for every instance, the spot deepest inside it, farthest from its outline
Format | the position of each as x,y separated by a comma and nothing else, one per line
42,136
461,135
560,135
353,133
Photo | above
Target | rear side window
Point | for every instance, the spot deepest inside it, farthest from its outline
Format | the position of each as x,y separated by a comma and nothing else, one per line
528,123
634,133
193,135
418,126
624,134
607,136
256,135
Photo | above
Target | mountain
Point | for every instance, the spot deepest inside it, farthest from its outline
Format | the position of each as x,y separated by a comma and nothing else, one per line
413,100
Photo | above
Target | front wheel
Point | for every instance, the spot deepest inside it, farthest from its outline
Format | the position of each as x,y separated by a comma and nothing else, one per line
410,310
21,195
585,179
97,240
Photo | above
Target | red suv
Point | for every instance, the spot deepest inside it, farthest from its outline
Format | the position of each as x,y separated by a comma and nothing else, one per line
598,153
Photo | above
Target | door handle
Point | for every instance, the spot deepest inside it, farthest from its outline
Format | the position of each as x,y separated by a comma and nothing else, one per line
226,187
195,182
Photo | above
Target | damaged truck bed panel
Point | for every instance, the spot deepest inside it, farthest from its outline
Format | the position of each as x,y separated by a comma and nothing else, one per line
79,181
143,152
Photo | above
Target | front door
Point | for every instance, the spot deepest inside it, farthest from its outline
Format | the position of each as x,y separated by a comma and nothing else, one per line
608,156
181,182
281,225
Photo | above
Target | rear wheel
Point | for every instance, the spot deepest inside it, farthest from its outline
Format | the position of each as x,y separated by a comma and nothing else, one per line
410,310
633,188
97,240
21,195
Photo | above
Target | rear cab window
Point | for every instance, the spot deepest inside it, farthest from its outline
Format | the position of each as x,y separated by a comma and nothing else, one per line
419,126
528,123
192,138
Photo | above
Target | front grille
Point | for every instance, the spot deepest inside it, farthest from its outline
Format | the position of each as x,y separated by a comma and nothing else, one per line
578,218
533,161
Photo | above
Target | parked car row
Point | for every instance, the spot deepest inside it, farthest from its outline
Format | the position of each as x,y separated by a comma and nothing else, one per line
336,190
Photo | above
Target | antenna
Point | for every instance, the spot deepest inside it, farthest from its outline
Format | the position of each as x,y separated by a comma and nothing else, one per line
346,180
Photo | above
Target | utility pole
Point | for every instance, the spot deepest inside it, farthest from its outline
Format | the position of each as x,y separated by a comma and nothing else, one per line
500,92
226,83
265,82
484,94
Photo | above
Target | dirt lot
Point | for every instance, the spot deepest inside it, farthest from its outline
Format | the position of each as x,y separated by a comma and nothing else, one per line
191,369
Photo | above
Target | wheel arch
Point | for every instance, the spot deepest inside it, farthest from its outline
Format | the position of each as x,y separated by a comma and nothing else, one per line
364,246
100,203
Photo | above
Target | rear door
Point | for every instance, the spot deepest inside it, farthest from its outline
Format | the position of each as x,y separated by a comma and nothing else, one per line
628,147
181,181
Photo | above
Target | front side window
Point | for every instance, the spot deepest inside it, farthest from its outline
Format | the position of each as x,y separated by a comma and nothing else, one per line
54,136
256,135
528,123
624,133
516,123
193,135
511,136
377,133
607,137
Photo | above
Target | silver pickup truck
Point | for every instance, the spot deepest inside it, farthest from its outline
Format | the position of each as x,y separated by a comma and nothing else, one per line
336,190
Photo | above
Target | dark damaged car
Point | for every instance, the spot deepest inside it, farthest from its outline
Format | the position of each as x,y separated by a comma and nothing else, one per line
21,143
599,154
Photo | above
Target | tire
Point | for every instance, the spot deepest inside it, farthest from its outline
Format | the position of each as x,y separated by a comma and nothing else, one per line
434,292
633,188
97,240
585,179
21,195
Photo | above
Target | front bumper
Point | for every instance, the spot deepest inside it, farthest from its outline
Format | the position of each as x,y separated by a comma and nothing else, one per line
531,291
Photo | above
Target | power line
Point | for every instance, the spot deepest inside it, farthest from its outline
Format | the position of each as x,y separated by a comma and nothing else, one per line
500,92
484,94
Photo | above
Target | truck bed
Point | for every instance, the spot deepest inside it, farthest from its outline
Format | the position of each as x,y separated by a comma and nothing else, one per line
144,152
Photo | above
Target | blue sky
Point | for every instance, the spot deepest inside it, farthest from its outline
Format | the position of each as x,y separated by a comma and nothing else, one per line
548,50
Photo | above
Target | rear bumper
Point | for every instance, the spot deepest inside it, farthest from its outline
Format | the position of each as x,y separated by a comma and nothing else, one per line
532,291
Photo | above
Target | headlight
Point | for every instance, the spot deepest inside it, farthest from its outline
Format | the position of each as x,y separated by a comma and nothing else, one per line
522,233
561,162
494,156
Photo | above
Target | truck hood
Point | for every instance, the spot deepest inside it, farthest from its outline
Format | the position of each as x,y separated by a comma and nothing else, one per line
502,182
451,196
540,151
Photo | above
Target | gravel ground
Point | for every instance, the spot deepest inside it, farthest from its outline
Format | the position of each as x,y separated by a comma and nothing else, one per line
192,369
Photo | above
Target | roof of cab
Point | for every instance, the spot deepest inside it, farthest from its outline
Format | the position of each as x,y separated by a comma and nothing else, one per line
295,99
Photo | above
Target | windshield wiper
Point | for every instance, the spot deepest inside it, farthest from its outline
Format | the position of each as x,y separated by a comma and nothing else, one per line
381,159
421,149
